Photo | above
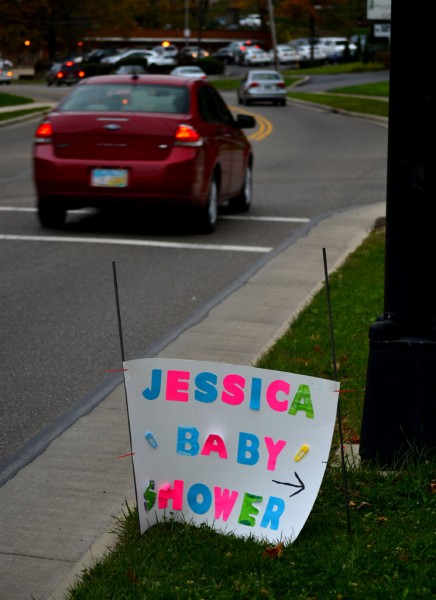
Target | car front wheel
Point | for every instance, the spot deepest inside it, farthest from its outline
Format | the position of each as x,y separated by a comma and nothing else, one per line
51,215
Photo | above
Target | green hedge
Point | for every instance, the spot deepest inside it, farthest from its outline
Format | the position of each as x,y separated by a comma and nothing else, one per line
211,66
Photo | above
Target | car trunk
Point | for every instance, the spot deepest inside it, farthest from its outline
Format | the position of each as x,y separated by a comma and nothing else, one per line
118,138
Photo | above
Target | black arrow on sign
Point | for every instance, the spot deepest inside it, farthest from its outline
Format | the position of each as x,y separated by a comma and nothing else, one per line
300,487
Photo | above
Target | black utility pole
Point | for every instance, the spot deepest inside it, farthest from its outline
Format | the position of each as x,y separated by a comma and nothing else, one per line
400,401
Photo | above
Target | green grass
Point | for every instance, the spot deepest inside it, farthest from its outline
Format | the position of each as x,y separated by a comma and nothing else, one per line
356,67
13,100
380,88
354,104
390,553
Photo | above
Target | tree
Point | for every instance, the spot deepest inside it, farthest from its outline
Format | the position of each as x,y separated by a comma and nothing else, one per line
60,25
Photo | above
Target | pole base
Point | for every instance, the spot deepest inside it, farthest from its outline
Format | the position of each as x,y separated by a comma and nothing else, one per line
399,413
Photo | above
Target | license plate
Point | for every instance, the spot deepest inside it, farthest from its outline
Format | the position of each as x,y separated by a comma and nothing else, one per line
109,178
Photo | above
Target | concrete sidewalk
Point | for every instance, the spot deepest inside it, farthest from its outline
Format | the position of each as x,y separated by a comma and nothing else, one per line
39,109
56,512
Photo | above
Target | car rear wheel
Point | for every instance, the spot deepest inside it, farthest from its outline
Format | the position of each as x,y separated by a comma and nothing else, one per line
208,215
51,215
242,202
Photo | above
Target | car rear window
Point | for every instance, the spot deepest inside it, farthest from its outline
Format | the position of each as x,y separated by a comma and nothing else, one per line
127,98
267,77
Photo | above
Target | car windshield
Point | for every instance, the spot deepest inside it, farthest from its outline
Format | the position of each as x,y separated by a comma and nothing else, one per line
127,98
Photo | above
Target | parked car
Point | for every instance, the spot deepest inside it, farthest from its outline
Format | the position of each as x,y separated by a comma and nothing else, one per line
285,55
336,47
231,54
170,50
225,54
304,47
5,63
98,54
241,49
194,52
251,21
142,140
152,57
189,71
256,56
6,75
262,86
64,73
130,70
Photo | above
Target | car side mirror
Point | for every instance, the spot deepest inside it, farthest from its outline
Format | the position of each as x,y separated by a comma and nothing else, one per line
245,122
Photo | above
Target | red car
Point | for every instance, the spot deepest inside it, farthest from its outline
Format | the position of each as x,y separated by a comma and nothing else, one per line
142,140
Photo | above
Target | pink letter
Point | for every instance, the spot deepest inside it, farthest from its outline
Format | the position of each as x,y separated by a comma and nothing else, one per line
214,443
166,492
234,389
271,395
224,502
274,450
177,384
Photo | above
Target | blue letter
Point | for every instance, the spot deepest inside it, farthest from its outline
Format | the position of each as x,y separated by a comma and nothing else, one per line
187,441
273,512
206,384
153,392
248,449
256,388
199,489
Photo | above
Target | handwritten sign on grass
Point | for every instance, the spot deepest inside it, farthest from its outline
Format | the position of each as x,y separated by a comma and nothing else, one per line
239,448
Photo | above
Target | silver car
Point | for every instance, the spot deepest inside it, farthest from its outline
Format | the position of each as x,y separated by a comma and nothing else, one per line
6,73
262,86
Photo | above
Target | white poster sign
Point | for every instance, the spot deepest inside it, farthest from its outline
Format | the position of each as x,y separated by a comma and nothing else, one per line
239,448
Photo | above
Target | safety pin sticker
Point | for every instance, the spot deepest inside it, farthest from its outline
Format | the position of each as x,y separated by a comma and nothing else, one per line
150,439
301,452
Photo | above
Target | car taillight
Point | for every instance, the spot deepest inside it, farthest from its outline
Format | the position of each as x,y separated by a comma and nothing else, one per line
81,73
44,133
254,84
59,75
281,85
187,136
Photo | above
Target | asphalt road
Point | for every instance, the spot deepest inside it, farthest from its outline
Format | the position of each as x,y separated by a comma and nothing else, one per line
59,326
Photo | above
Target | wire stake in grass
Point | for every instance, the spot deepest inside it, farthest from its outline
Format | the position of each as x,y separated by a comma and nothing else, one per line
120,332
335,374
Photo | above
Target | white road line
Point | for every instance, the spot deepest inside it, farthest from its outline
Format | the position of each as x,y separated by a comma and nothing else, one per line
228,217
272,219
33,209
17,209
124,242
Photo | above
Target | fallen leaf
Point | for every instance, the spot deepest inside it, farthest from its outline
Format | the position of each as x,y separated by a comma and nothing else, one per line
381,519
274,551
